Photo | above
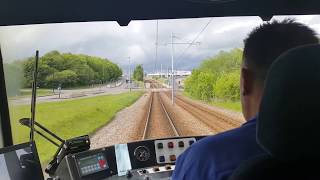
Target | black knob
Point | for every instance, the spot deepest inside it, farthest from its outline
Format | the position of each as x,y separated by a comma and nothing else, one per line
144,171
129,174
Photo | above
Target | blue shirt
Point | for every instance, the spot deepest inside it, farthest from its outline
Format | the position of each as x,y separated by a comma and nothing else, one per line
215,157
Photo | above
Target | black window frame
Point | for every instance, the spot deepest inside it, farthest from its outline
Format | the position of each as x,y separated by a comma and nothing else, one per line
4,109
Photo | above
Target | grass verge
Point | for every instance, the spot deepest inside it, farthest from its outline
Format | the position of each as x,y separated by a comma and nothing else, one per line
235,106
69,118
231,105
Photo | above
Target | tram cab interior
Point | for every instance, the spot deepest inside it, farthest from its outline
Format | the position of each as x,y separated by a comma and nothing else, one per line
154,159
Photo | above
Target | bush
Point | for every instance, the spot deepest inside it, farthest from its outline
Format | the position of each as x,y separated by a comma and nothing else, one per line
216,77
204,85
227,86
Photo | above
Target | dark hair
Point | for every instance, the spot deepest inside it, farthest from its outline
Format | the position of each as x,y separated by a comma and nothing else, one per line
266,42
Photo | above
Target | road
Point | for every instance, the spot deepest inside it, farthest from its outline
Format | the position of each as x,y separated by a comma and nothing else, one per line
74,94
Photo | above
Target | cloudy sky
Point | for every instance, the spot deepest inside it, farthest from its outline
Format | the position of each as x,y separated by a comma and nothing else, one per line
137,40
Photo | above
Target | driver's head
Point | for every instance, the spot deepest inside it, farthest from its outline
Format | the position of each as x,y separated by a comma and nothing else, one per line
262,46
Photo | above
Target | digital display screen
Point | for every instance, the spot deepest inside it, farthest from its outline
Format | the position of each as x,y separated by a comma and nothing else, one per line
20,163
92,164
123,159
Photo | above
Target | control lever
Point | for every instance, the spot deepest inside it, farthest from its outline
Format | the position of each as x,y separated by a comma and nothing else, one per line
69,146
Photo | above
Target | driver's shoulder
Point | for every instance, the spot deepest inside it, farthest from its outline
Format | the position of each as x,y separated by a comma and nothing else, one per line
215,145
217,153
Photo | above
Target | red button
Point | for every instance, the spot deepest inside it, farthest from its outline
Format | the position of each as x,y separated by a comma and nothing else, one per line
173,158
102,163
170,145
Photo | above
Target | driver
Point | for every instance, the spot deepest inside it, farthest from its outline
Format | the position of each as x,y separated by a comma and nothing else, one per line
215,157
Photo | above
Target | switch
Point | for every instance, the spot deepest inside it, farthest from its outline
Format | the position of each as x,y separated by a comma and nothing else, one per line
181,144
102,163
191,142
168,167
129,174
170,145
162,159
173,158
156,169
144,171
160,146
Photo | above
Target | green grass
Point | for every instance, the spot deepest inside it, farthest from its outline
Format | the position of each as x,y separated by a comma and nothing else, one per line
231,105
235,106
69,118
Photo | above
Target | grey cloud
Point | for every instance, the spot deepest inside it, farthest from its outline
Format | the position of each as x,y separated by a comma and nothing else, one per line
109,40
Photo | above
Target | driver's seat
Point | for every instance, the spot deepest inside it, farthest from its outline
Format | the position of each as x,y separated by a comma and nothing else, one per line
288,126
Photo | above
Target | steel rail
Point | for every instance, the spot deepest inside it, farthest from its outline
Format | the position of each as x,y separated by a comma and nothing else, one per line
168,117
148,118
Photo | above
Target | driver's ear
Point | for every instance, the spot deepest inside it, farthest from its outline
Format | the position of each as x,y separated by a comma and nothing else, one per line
247,82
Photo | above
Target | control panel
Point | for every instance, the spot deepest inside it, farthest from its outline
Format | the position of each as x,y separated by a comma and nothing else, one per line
149,159
92,164
167,150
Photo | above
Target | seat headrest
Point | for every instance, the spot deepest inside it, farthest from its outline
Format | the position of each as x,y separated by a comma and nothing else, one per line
289,117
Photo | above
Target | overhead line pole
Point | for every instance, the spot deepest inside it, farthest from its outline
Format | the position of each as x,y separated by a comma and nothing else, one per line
129,74
157,32
172,59
172,73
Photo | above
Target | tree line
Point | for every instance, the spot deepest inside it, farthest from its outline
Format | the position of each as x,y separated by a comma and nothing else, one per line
138,73
217,77
62,69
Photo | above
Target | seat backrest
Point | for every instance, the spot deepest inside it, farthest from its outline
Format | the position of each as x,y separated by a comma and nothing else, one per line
288,120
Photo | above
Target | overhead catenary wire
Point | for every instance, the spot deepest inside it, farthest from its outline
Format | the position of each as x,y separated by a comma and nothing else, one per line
194,40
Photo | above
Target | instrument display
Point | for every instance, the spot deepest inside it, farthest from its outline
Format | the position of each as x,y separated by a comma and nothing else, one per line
92,164
142,153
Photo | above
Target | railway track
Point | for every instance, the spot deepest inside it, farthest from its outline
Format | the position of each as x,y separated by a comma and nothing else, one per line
216,121
154,84
158,122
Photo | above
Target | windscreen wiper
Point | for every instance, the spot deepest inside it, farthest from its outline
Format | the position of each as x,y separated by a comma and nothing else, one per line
69,146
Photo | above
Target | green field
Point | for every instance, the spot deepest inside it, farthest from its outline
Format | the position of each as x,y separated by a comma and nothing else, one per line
69,118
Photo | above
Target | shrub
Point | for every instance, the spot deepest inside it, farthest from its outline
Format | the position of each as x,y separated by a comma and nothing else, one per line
227,86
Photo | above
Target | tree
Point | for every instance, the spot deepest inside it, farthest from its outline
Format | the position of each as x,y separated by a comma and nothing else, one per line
228,86
64,78
53,67
138,73
216,77
204,85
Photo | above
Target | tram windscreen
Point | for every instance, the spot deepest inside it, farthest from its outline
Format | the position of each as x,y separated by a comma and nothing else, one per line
152,79
20,162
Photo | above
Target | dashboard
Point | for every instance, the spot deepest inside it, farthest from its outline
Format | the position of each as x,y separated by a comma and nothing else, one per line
147,160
